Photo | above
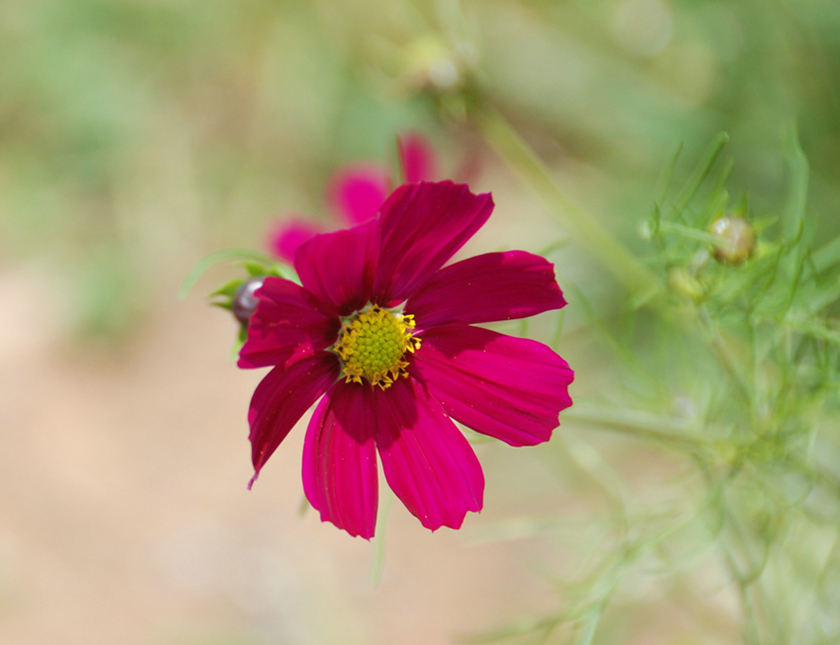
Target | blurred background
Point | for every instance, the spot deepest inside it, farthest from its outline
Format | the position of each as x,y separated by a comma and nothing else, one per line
136,136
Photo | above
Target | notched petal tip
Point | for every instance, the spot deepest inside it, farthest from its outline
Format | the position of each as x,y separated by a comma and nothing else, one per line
427,462
487,288
423,225
509,388
339,461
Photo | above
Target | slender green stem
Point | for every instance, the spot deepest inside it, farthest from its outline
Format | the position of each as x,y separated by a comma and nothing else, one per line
827,256
725,355
704,168
639,423
378,561
582,227
226,255
692,234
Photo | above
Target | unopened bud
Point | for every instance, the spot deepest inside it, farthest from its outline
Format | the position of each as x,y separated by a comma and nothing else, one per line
244,302
432,63
737,240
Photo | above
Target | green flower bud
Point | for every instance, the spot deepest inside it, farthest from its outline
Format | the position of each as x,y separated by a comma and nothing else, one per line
432,63
737,240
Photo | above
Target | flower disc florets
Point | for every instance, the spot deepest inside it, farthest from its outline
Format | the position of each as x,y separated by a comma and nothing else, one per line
372,345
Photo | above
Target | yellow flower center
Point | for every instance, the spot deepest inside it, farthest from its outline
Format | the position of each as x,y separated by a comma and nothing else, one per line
372,345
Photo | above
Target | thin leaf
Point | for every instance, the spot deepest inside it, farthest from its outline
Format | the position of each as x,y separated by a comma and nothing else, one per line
702,171
665,179
228,289
226,255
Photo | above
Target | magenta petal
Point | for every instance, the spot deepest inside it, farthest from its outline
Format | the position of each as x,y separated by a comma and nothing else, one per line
509,388
286,236
358,191
428,463
339,267
282,397
339,460
486,288
417,158
423,226
288,323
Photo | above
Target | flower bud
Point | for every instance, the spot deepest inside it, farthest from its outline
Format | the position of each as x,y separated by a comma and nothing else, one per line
432,63
737,240
244,302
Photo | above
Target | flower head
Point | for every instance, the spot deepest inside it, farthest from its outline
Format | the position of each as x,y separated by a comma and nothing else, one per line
382,333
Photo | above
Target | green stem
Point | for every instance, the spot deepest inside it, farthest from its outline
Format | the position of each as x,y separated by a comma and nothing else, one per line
378,560
226,255
703,171
671,228
581,226
639,423
725,355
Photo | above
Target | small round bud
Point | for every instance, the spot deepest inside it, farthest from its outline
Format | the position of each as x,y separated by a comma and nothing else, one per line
244,301
432,63
737,238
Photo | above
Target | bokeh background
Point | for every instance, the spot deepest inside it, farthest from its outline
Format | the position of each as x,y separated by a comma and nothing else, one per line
136,136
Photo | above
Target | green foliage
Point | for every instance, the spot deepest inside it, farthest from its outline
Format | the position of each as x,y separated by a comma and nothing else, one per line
734,372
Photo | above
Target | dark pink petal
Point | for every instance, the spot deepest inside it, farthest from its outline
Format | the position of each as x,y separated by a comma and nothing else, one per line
428,463
486,288
280,400
338,268
358,191
285,237
339,460
288,324
509,388
417,158
423,225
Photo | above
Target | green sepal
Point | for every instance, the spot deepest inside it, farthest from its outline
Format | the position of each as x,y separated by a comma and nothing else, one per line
228,289
268,266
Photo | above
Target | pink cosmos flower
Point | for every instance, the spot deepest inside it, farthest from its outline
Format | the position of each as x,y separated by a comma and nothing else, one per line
382,333
356,192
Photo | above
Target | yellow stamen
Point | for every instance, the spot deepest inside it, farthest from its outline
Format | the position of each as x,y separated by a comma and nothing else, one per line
372,345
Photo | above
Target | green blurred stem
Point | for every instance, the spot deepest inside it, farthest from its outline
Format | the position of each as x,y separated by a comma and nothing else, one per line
378,560
228,255
704,168
724,353
638,423
582,227
594,238
687,232
827,256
